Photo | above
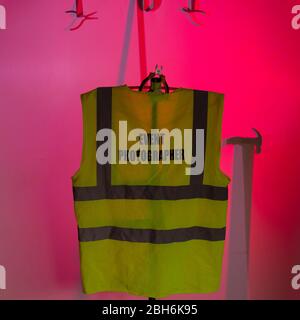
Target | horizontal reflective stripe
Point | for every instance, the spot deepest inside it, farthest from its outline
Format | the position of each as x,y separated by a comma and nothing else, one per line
151,235
151,192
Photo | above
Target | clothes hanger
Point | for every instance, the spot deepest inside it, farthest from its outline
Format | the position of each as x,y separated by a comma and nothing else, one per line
157,79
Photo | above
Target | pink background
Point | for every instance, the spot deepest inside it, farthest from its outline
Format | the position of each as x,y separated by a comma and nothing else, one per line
245,49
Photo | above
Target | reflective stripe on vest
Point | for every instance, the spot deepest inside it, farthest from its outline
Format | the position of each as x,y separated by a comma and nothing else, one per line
151,235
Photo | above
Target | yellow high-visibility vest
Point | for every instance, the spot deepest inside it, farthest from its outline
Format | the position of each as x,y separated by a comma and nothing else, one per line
151,229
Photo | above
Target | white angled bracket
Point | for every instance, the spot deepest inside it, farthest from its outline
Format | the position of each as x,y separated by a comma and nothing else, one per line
256,141
240,215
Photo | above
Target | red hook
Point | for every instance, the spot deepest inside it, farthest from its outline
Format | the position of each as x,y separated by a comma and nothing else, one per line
79,14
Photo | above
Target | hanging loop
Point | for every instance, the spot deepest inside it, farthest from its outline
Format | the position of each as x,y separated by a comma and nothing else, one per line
151,76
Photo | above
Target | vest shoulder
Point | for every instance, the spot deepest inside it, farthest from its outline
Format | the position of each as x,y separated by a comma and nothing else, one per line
210,92
94,90
215,98
88,93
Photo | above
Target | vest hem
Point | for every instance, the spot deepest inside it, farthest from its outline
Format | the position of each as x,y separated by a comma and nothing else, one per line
151,294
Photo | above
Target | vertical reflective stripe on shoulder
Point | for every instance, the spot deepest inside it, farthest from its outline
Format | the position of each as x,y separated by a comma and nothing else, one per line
104,121
199,122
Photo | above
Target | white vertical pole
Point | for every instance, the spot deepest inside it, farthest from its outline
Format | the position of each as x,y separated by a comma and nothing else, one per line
239,219
2,18
2,278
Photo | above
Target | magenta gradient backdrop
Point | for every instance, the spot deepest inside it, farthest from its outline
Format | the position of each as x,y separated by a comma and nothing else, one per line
245,49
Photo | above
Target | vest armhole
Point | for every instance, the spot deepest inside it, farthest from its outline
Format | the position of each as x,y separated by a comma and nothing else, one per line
224,178
214,175
85,175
